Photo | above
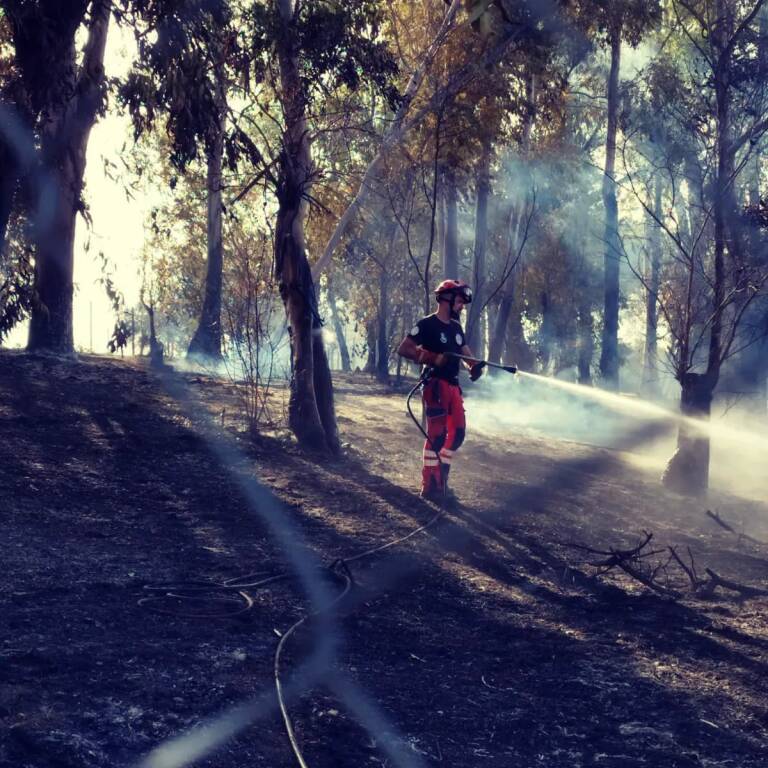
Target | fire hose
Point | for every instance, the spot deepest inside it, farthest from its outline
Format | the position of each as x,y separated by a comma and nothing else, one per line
233,598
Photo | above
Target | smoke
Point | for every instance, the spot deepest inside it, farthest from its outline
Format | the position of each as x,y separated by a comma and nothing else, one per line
635,59
507,407
239,363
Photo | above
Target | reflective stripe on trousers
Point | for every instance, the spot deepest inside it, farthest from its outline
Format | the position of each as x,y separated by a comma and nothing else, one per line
446,427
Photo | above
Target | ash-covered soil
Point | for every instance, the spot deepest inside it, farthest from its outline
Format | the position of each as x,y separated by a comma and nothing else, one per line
484,640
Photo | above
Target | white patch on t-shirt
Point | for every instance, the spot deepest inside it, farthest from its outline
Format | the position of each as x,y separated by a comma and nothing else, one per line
443,338
415,330
459,340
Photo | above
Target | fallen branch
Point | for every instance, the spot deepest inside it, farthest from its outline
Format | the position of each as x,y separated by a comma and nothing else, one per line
690,572
726,526
648,581
614,554
634,562
715,581
631,562
706,587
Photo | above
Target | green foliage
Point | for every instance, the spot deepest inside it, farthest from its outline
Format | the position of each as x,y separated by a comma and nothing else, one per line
16,293
340,45
632,19
43,34
175,74
342,42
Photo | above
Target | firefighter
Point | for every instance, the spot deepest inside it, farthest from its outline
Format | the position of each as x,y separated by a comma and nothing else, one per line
430,343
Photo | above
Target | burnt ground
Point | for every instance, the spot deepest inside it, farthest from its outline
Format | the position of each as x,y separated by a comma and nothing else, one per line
484,640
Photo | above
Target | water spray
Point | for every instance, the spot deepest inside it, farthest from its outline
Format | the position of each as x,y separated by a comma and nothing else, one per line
636,406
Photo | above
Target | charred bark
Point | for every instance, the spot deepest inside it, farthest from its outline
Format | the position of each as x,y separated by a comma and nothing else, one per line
295,282
297,293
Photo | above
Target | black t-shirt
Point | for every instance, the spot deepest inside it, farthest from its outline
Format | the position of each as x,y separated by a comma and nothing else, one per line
436,336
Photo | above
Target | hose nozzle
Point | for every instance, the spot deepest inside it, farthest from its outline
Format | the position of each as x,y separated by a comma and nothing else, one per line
507,368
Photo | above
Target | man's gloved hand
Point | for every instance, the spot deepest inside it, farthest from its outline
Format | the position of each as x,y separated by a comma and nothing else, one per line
434,359
476,371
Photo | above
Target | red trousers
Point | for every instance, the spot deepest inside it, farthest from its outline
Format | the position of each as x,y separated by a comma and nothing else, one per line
446,427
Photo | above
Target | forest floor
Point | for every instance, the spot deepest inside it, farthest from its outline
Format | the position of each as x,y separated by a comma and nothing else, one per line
484,640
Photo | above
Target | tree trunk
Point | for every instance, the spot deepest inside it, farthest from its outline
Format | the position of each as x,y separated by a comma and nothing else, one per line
451,242
688,470
752,363
382,337
9,177
438,219
156,347
586,342
370,344
339,330
650,359
498,338
609,356
297,293
723,196
206,342
384,310
474,338
17,152
323,383
693,224
64,142
516,350
291,266
546,334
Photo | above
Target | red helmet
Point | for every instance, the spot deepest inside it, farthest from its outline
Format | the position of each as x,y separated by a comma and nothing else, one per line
452,288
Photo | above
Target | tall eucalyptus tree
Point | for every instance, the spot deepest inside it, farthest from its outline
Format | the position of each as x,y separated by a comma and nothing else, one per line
182,77
56,97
